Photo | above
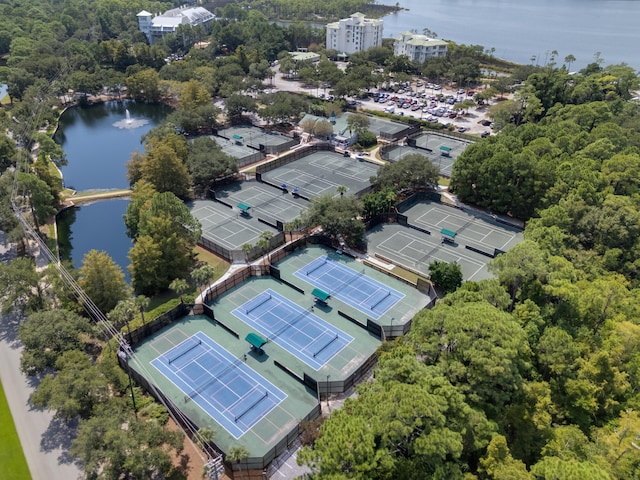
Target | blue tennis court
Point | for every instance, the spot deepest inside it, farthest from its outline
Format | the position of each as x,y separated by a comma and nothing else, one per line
350,286
232,393
294,328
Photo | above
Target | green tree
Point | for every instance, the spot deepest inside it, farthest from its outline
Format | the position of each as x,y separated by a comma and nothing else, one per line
481,350
207,162
238,104
339,218
22,287
193,95
102,280
42,203
413,171
557,469
499,464
180,287
238,453
167,235
447,276
144,86
112,444
520,268
203,276
123,313
358,123
46,335
165,170
74,390
322,128
264,240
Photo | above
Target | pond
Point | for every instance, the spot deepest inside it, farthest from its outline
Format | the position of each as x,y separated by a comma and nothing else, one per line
99,141
95,226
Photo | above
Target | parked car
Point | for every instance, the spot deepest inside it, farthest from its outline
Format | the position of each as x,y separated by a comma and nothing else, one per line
461,91
462,129
485,134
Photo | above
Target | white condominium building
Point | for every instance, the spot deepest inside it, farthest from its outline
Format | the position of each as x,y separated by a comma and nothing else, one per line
419,47
354,34
168,22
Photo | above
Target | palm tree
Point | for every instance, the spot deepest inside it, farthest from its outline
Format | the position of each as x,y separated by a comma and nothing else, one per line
238,453
142,302
569,59
341,190
205,435
203,275
265,237
246,248
123,313
180,286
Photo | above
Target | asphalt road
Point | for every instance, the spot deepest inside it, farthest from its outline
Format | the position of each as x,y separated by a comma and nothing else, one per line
45,440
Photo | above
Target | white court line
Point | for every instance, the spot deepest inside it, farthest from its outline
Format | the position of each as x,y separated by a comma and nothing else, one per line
491,229
291,327
338,163
302,181
413,261
231,366
261,198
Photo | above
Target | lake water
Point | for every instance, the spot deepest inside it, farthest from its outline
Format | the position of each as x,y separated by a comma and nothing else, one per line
95,226
97,151
522,29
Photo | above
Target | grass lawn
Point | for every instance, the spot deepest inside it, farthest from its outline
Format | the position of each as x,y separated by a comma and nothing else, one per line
12,461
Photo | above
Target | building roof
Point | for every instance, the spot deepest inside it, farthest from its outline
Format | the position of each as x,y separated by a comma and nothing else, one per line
359,18
420,40
144,13
177,16
302,56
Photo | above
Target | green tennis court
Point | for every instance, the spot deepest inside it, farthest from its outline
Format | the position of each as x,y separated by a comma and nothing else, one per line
322,173
467,228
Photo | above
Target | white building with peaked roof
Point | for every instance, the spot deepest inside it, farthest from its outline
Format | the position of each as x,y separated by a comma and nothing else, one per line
354,34
419,47
168,22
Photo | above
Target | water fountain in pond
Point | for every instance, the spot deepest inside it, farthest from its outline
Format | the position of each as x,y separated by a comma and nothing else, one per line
129,122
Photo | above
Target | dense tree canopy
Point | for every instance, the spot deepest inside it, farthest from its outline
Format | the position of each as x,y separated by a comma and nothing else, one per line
166,236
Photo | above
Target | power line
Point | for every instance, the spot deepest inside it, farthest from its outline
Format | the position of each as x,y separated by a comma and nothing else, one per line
18,195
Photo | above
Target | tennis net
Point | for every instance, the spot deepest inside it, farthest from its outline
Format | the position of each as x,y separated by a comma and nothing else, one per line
197,342
207,383
250,407
309,272
265,300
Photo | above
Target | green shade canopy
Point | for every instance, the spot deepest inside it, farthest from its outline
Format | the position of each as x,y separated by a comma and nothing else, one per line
237,137
255,340
244,207
448,233
320,295
445,149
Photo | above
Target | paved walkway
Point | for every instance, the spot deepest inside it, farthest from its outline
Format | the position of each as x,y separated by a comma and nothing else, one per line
45,441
